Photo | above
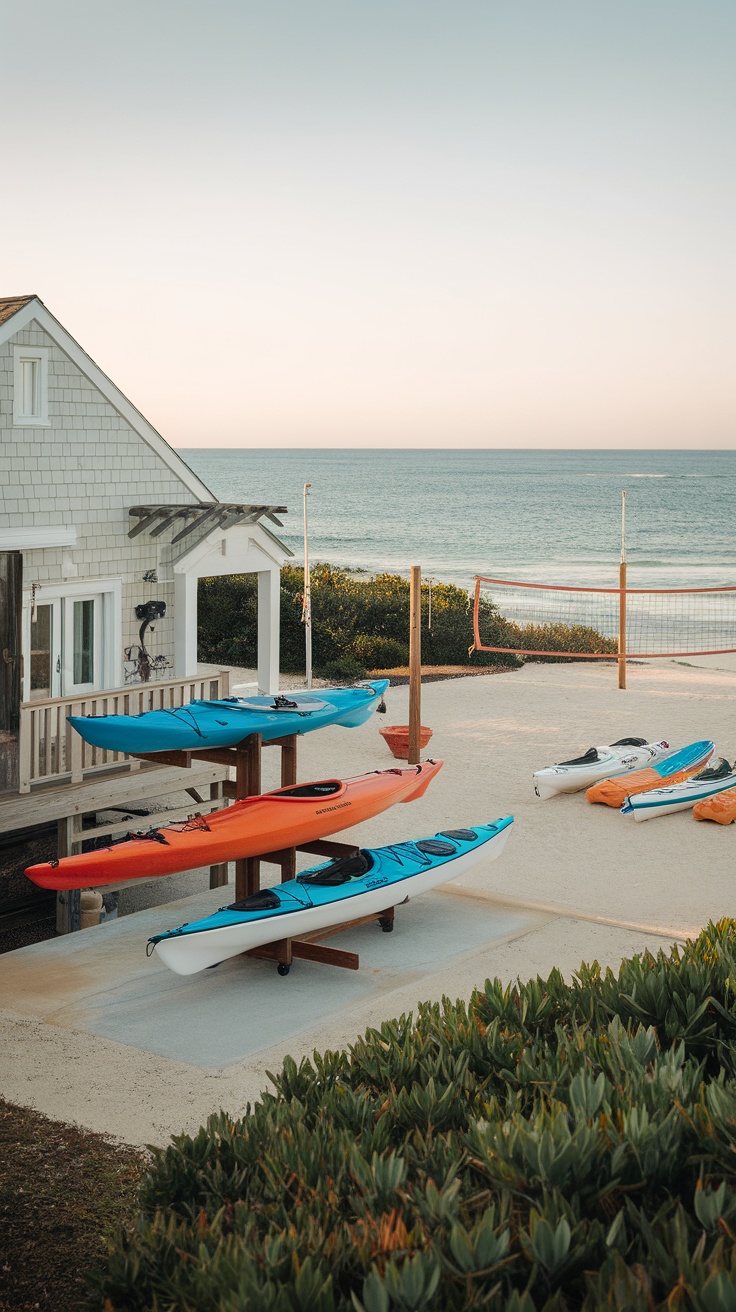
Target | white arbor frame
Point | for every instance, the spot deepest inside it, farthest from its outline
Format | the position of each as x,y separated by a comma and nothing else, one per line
242,549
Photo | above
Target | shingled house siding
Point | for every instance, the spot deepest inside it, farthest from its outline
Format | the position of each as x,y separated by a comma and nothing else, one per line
84,470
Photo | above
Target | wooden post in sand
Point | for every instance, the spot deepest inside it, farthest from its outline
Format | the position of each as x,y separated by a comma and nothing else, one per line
622,600
415,663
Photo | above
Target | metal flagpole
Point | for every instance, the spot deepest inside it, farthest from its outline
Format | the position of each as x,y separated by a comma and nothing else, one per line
307,595
622,599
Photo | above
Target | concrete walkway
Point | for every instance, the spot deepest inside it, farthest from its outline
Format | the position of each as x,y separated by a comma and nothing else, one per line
95,1032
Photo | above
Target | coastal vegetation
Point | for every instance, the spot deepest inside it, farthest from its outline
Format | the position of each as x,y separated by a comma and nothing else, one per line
360,624
545,1146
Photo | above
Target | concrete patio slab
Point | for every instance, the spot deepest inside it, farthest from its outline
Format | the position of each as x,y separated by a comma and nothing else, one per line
101,983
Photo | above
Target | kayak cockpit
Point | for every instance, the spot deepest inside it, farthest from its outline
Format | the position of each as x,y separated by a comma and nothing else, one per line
315,791
721,771
264,900
339,871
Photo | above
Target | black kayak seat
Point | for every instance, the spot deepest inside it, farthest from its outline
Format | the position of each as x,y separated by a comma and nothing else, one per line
720,771
339,871
589,758
327,788
592,755
264,900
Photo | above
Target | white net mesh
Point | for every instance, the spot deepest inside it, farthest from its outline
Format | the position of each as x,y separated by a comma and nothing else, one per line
584,622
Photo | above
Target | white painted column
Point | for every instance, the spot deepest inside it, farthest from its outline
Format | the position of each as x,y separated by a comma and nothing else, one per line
185,624
269,615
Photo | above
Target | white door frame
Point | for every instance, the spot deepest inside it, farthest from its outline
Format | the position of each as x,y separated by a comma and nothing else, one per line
108,593
238,550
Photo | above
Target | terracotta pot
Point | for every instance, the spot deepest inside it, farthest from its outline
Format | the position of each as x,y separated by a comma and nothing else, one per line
397,737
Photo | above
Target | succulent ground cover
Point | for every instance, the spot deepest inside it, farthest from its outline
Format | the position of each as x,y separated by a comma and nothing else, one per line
544,1146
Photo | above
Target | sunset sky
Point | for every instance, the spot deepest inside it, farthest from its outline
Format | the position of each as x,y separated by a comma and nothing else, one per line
415,223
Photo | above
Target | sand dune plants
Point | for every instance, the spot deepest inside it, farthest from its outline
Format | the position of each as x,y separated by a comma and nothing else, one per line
543,1147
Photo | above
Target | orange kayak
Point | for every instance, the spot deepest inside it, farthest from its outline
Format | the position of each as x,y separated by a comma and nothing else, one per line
721,808
673,768
265,823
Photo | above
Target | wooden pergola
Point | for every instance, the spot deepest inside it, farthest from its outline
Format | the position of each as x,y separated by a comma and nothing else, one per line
204,515
208,538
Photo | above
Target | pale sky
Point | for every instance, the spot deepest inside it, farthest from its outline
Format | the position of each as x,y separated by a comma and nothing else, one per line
404,223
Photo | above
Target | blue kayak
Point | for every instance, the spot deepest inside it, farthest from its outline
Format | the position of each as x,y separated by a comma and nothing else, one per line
372,881
227,722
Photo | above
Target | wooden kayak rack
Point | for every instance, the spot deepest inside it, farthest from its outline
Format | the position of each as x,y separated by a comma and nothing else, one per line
245,759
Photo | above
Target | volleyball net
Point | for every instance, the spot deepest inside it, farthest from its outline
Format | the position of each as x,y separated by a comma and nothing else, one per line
545,620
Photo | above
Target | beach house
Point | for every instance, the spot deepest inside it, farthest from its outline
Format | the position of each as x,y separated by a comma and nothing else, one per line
104,534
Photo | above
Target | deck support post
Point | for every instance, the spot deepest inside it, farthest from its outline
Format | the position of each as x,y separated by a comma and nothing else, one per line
69,900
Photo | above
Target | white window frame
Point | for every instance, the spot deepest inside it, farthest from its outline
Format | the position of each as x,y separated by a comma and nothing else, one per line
39,418
108,625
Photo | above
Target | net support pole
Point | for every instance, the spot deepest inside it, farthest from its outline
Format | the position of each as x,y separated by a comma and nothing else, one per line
415,663
622,600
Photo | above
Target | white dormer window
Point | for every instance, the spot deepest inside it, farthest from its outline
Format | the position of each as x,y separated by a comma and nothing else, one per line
30,394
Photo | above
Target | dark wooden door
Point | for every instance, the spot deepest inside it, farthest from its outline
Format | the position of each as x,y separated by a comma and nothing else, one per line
11,586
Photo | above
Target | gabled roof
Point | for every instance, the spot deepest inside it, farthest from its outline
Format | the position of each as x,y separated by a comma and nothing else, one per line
18,311
10,305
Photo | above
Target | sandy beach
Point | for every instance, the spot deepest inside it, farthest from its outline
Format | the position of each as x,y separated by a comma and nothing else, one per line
575,882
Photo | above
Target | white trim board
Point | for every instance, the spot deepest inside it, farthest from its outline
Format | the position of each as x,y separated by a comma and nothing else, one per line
35,309
37,538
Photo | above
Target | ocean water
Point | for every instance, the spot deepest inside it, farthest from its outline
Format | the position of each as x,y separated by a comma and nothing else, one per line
536,516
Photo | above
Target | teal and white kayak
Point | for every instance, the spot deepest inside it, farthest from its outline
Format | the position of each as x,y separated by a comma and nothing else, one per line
228,721
372,881
681,797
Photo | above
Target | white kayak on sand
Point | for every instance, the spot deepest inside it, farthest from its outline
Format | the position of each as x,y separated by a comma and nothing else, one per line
714,779
595,764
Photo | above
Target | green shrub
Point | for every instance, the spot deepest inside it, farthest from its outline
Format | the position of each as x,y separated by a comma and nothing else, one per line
379,653
564,637
544,1146
363,618
343,670
367,619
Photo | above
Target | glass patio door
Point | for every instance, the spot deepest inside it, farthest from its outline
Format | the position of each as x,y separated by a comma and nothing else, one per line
45,649
82,648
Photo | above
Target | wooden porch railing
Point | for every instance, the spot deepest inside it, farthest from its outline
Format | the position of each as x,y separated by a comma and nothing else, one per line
51,752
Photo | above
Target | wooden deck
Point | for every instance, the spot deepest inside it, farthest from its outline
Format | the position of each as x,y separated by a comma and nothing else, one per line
64,800
50,752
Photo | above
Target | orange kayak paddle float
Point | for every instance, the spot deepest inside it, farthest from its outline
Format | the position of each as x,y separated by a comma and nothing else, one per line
265,823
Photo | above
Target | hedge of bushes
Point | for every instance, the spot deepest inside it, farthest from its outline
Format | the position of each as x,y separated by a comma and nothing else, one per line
546,1146
361,624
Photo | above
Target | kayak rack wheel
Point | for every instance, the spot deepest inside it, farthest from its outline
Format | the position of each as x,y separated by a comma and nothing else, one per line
386,925
283,968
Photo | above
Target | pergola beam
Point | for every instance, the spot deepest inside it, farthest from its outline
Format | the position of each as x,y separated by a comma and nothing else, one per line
223,514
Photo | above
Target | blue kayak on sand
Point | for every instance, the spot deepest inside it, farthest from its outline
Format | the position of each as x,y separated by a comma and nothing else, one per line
366,884
227,722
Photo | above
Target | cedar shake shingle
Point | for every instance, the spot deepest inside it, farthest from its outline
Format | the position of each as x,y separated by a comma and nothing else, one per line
10,305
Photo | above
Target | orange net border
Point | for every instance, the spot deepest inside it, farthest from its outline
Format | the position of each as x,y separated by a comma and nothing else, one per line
589,655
